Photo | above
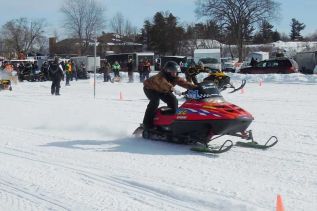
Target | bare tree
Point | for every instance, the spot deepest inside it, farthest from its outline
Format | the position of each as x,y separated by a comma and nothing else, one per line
23,35
117,23
123,27
84,19
238,16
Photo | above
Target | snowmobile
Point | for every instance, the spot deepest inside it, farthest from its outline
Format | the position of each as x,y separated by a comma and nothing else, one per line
219,78
30,76
5,84
203,117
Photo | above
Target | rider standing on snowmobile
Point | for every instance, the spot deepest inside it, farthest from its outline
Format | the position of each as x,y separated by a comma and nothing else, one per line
161,87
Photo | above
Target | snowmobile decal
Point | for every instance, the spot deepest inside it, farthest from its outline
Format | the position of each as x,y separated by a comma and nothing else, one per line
202,112
194,94
181,117
181,111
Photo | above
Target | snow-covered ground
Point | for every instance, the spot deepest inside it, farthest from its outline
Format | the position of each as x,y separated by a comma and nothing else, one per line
74,152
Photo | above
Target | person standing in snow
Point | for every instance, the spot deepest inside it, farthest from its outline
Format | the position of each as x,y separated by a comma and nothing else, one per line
56,74
130,70
146,69
106,69
116,70
68,71
74,70
161,87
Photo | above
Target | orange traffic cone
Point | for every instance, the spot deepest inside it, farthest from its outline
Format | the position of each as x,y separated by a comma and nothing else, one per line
279,203
121,96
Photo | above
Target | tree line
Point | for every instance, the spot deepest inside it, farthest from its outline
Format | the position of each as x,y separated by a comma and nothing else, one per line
235,22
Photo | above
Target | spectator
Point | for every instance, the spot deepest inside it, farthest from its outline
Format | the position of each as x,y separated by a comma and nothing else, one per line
140,69
130,70
74,70
56,74
116,70
146,69
106,69
253,62
44,70
68,71
35,67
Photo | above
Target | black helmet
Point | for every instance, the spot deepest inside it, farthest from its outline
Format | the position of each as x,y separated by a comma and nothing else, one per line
171,66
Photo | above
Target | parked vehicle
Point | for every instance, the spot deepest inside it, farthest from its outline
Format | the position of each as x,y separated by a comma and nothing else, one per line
228,64
211,63
5,79
177,59
89,62
307,62
278,65
5,85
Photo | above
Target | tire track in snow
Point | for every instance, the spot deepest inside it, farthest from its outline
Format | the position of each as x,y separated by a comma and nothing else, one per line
19,198
152,196
115,185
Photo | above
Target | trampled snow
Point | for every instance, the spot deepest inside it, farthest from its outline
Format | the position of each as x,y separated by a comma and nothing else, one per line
74,152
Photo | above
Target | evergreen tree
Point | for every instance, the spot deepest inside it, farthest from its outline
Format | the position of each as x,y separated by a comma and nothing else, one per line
296,28
163,34
276,36
265,34
266,31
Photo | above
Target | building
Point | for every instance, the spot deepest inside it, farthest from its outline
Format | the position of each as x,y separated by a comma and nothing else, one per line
107,42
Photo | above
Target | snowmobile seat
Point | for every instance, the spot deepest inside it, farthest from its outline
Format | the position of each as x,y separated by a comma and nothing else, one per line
166,110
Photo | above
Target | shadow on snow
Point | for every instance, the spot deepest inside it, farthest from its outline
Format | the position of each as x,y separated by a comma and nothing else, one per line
128,145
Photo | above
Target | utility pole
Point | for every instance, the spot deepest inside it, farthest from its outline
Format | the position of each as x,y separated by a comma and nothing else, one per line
95,52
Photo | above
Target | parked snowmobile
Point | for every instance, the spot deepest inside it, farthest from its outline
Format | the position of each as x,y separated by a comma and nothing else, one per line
218,77
5,80
37,75
5,85
203,117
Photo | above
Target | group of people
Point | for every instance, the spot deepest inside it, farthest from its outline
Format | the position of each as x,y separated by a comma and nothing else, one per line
106,69
144,69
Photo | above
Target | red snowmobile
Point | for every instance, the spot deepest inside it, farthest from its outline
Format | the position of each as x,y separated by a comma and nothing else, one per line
203,117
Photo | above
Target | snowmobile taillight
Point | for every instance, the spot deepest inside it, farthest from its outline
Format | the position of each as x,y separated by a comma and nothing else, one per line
292,69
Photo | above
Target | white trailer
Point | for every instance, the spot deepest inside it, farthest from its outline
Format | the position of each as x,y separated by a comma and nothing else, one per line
89,62
307,62
258,56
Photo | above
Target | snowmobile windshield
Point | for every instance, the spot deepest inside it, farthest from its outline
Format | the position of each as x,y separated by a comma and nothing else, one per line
206,91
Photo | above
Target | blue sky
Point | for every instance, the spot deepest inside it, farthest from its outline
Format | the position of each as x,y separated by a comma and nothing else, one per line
139,10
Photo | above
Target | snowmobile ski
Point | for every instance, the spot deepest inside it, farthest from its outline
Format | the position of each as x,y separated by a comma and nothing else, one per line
240,87
253,144
226,146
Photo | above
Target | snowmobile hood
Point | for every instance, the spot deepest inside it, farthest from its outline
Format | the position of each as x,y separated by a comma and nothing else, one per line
194,110
214,110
